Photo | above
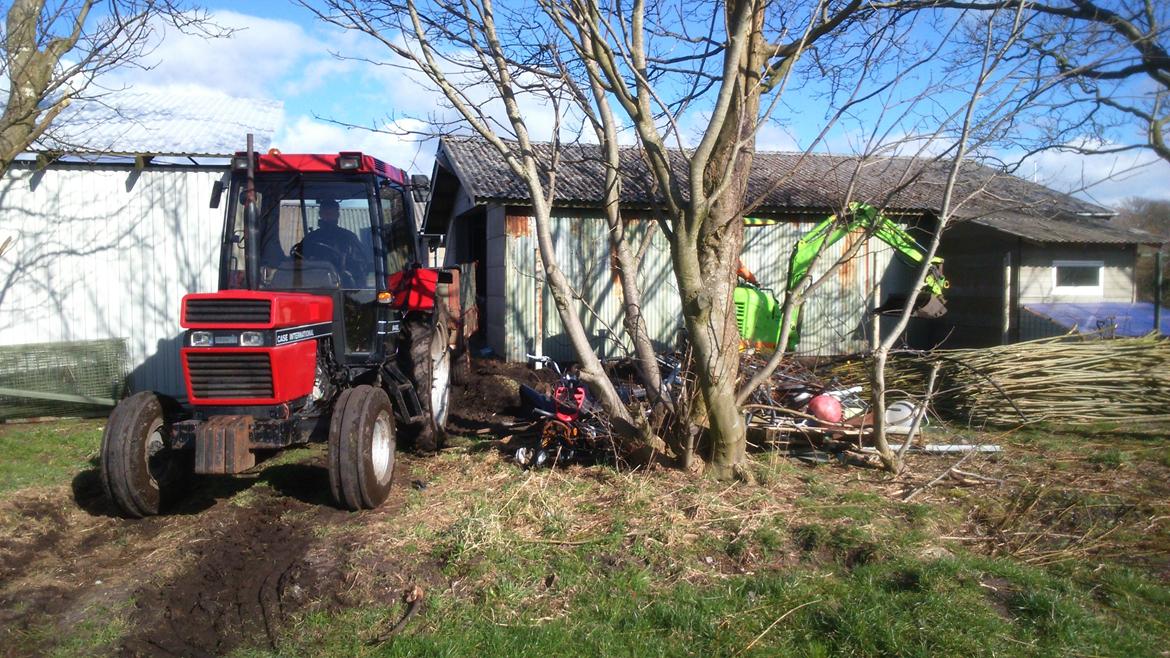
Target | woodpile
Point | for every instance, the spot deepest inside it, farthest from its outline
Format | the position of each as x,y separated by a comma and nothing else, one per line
1065,380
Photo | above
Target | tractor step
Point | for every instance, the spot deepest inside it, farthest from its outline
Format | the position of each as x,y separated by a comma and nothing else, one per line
403,395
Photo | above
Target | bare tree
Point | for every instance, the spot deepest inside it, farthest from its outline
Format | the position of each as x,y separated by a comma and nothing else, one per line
746,58
462,50
1152,216
989,97
1110,63
54,51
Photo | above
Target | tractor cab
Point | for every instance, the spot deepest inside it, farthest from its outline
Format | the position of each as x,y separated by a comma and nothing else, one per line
337,226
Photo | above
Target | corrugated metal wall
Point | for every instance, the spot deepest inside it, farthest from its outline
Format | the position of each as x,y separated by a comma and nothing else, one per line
107,252
834,322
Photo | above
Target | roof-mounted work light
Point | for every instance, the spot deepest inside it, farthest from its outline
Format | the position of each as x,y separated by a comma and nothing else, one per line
349,161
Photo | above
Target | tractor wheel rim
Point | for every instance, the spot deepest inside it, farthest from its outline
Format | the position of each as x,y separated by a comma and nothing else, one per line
158,460
382,448
440,383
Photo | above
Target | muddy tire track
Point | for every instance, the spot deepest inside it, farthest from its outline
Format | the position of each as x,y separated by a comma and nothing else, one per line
245,578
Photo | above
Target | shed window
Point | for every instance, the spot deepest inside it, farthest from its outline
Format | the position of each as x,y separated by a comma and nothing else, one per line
1078,277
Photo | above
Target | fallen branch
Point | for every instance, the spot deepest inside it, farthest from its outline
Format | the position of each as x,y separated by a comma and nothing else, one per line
920,412
773,625
413,598
976,476
936,480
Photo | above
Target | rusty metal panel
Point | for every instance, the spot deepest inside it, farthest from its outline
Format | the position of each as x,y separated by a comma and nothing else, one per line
584,254
520,281
516,226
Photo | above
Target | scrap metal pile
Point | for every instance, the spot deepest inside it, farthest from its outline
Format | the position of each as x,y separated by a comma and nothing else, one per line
812,414
795,408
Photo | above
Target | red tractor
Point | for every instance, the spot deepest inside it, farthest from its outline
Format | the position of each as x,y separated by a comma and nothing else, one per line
325,328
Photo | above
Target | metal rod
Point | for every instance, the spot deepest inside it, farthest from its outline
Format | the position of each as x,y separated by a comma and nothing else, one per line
1158,290
56,397
251,230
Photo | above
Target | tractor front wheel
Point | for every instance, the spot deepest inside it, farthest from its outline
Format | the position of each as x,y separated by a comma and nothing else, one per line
140,472
361,448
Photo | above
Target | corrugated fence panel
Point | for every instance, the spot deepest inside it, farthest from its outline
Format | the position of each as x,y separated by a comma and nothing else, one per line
106,252
582,246
835,316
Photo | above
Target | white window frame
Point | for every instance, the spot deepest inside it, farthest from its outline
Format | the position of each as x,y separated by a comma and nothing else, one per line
1085,291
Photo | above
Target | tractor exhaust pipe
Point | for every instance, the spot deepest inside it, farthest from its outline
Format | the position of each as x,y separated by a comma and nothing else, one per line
251,228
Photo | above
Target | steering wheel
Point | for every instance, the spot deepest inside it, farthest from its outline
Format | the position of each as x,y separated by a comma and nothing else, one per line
329,253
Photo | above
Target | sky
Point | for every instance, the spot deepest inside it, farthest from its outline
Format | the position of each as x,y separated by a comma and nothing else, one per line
281,51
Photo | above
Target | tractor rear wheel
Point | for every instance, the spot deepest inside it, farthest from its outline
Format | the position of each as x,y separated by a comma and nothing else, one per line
140,472
461,360
430,369
361,448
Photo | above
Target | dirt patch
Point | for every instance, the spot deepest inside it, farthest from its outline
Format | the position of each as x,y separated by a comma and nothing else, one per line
256,566
247,575
490,401
228,568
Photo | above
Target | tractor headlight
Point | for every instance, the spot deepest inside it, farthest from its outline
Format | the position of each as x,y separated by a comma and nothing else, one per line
240,163
200,339
251,339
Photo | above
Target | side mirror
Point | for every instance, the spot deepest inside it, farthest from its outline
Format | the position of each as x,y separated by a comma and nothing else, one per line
216,193
420,185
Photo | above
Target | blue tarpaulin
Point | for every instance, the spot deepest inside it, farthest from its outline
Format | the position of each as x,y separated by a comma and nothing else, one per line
1130,319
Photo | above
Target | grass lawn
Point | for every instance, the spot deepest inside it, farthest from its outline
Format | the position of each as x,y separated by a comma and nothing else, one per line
1070,555
43,453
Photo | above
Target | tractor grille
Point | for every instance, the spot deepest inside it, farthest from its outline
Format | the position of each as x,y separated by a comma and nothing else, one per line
228,311
230,375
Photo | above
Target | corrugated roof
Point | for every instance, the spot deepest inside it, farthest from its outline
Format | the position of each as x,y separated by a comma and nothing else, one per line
790,183
170,123
1085,230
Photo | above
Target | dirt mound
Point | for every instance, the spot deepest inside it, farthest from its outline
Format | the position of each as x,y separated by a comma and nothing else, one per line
490,400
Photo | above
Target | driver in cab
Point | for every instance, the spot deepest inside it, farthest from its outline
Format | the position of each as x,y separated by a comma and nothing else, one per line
337,245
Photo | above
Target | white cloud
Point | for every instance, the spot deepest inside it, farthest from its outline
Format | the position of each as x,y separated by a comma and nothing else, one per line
773,137
253,61
302,134
1104,179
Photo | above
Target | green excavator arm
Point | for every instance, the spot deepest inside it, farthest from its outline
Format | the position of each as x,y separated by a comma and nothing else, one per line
862,216
752,302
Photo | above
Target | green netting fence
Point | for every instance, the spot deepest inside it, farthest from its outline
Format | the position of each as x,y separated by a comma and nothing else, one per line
81,378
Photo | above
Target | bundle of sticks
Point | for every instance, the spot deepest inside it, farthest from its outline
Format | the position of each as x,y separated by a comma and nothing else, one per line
1066,380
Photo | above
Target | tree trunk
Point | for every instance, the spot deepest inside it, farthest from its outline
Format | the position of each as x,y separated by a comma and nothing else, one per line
714,258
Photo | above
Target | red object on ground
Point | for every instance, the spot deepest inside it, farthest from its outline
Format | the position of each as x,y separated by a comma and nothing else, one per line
826,408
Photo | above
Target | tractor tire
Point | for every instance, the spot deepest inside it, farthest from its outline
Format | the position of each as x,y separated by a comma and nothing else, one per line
461,361
430,371
140,473
361,448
